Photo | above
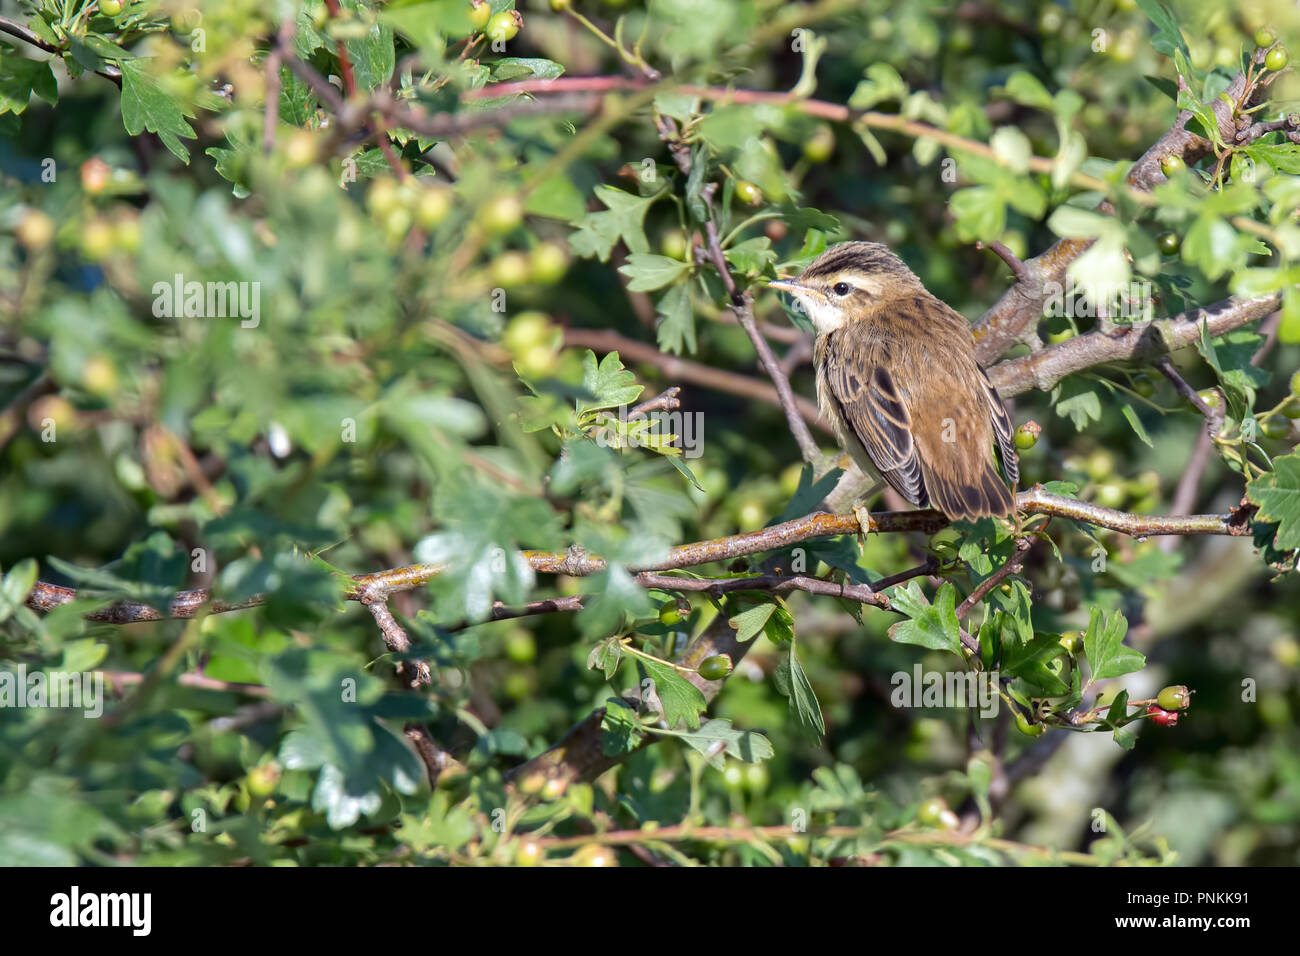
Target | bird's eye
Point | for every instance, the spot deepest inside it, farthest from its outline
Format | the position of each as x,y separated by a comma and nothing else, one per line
841,288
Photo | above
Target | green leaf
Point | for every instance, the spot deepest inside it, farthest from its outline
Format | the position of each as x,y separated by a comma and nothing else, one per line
1277,494
145,105
1138,428
793,684
517,67
609,383
1168,36
741,744
1103,643
16,586
928,625
648,271
620,730
676,331
682,701
624,218
20,78
751,257
1075,399
373,56
1027,90
748,623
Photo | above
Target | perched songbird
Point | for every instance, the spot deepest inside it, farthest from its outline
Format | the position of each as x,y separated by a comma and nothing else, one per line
898,379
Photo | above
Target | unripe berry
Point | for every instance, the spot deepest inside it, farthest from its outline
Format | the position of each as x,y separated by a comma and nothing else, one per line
1295,385
1100,465
433,206
263,778
1026,436
510,269
501,214
1174,697
593,854
1169,243
673,244
1144,384
1110,494
1276,59
1275,428
110,8
748,192
1211,398
98,376
383,197
559,6
1292,408
1072,641
1265,37
504,26
548,262
35,230
529,853
818,147
1172,165
716,667
480,12
930,811
97,239
670,614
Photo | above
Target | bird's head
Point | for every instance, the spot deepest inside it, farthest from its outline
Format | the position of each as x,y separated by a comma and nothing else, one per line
847,281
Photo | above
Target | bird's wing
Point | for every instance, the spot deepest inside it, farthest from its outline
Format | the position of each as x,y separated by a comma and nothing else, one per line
872,408
1004,431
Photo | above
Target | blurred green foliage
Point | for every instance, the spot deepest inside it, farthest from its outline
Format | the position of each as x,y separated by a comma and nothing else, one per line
393,377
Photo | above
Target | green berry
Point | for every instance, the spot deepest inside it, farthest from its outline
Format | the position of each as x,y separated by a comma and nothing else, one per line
1171,165
716,667
521,646
1169,243
1110,494
35,230
1174,697
748,192
548,262
480,12
1025,727
1211,397
110,8
671,614
1292,408
501,214
1026,435
818,147
1100,465
1265,37
263,778
433,206
510,269
1144,384
593,854
931,811
559,6
1276,59
529,853
504,26
1295,385
1072,641
1275,428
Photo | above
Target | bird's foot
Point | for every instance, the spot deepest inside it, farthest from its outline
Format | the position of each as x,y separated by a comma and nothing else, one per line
865,525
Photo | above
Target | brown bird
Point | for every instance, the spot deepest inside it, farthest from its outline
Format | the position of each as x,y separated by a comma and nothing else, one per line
898,379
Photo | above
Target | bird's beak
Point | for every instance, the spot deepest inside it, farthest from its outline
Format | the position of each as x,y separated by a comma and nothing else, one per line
797,289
